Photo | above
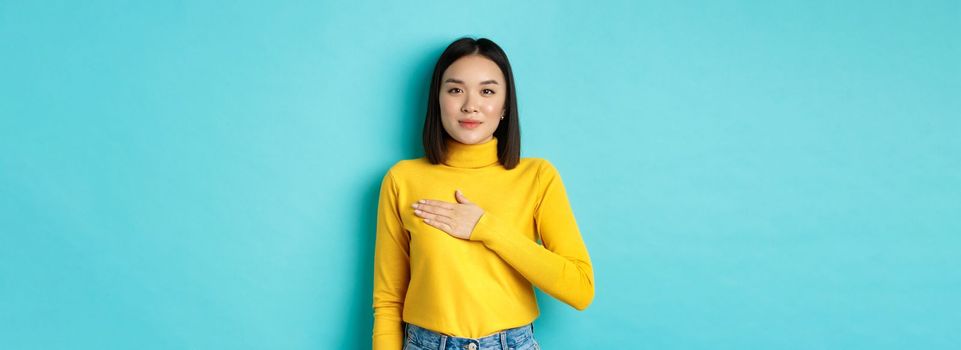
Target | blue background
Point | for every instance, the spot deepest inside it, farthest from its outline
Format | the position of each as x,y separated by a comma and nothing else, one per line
747,175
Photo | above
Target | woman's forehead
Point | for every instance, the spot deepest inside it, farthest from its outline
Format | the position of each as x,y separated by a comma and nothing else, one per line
473,69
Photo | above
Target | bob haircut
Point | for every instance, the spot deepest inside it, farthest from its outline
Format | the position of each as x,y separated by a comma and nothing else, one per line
508,131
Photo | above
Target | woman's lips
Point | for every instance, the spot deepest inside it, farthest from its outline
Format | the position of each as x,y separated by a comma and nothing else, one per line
469,125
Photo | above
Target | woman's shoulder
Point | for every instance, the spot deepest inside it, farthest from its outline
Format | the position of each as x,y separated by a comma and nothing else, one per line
541,164
406,166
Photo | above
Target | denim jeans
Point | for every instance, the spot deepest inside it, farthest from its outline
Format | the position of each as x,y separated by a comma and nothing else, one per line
519,338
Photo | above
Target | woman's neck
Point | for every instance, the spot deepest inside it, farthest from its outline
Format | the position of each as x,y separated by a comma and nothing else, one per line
461,155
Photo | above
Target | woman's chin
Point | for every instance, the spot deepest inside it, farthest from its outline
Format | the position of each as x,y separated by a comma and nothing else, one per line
471,137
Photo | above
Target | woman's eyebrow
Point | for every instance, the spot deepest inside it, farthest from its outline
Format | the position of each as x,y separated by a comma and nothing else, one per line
456,81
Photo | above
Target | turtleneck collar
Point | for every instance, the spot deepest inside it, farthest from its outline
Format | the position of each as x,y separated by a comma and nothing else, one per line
460,155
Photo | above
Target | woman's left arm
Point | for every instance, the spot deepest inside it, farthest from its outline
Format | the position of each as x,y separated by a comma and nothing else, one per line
562,270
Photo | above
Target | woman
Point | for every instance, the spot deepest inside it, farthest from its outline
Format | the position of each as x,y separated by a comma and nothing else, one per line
456,249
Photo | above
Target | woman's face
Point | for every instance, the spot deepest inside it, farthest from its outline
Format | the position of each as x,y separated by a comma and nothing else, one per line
472,96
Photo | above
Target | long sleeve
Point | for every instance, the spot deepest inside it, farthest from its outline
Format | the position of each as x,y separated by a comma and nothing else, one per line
562,267
391,270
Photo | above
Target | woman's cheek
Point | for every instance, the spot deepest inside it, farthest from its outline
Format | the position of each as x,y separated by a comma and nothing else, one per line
489,109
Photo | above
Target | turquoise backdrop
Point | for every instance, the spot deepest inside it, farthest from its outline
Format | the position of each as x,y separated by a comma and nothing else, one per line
746,174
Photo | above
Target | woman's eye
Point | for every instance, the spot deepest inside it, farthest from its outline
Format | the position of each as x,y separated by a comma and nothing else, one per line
454,90
490,93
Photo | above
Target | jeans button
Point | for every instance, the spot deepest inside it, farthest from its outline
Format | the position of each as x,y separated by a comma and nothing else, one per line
472,346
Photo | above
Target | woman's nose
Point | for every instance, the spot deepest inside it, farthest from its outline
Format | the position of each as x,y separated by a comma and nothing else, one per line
469,105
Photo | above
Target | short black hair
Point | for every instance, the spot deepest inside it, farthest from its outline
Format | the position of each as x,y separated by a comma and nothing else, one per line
508,131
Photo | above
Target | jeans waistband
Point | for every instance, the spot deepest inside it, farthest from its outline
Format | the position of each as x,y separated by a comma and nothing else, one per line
504,339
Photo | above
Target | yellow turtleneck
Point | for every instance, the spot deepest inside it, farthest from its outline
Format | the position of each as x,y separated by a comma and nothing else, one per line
473,288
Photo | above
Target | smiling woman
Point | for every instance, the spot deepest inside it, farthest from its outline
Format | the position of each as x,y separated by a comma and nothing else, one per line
456,252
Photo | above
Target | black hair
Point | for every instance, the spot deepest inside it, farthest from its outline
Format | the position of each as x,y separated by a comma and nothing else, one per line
508,131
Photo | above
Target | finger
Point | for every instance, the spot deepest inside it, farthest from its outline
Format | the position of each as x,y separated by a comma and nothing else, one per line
440,220
436,203
461,198
429,215
435,210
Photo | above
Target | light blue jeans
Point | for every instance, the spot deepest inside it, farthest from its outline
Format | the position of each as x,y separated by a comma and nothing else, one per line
520,338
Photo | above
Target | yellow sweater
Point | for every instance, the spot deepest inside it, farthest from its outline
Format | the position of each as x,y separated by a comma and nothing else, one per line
473,288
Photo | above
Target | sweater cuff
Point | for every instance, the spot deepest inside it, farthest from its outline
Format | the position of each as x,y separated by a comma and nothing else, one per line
487,229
